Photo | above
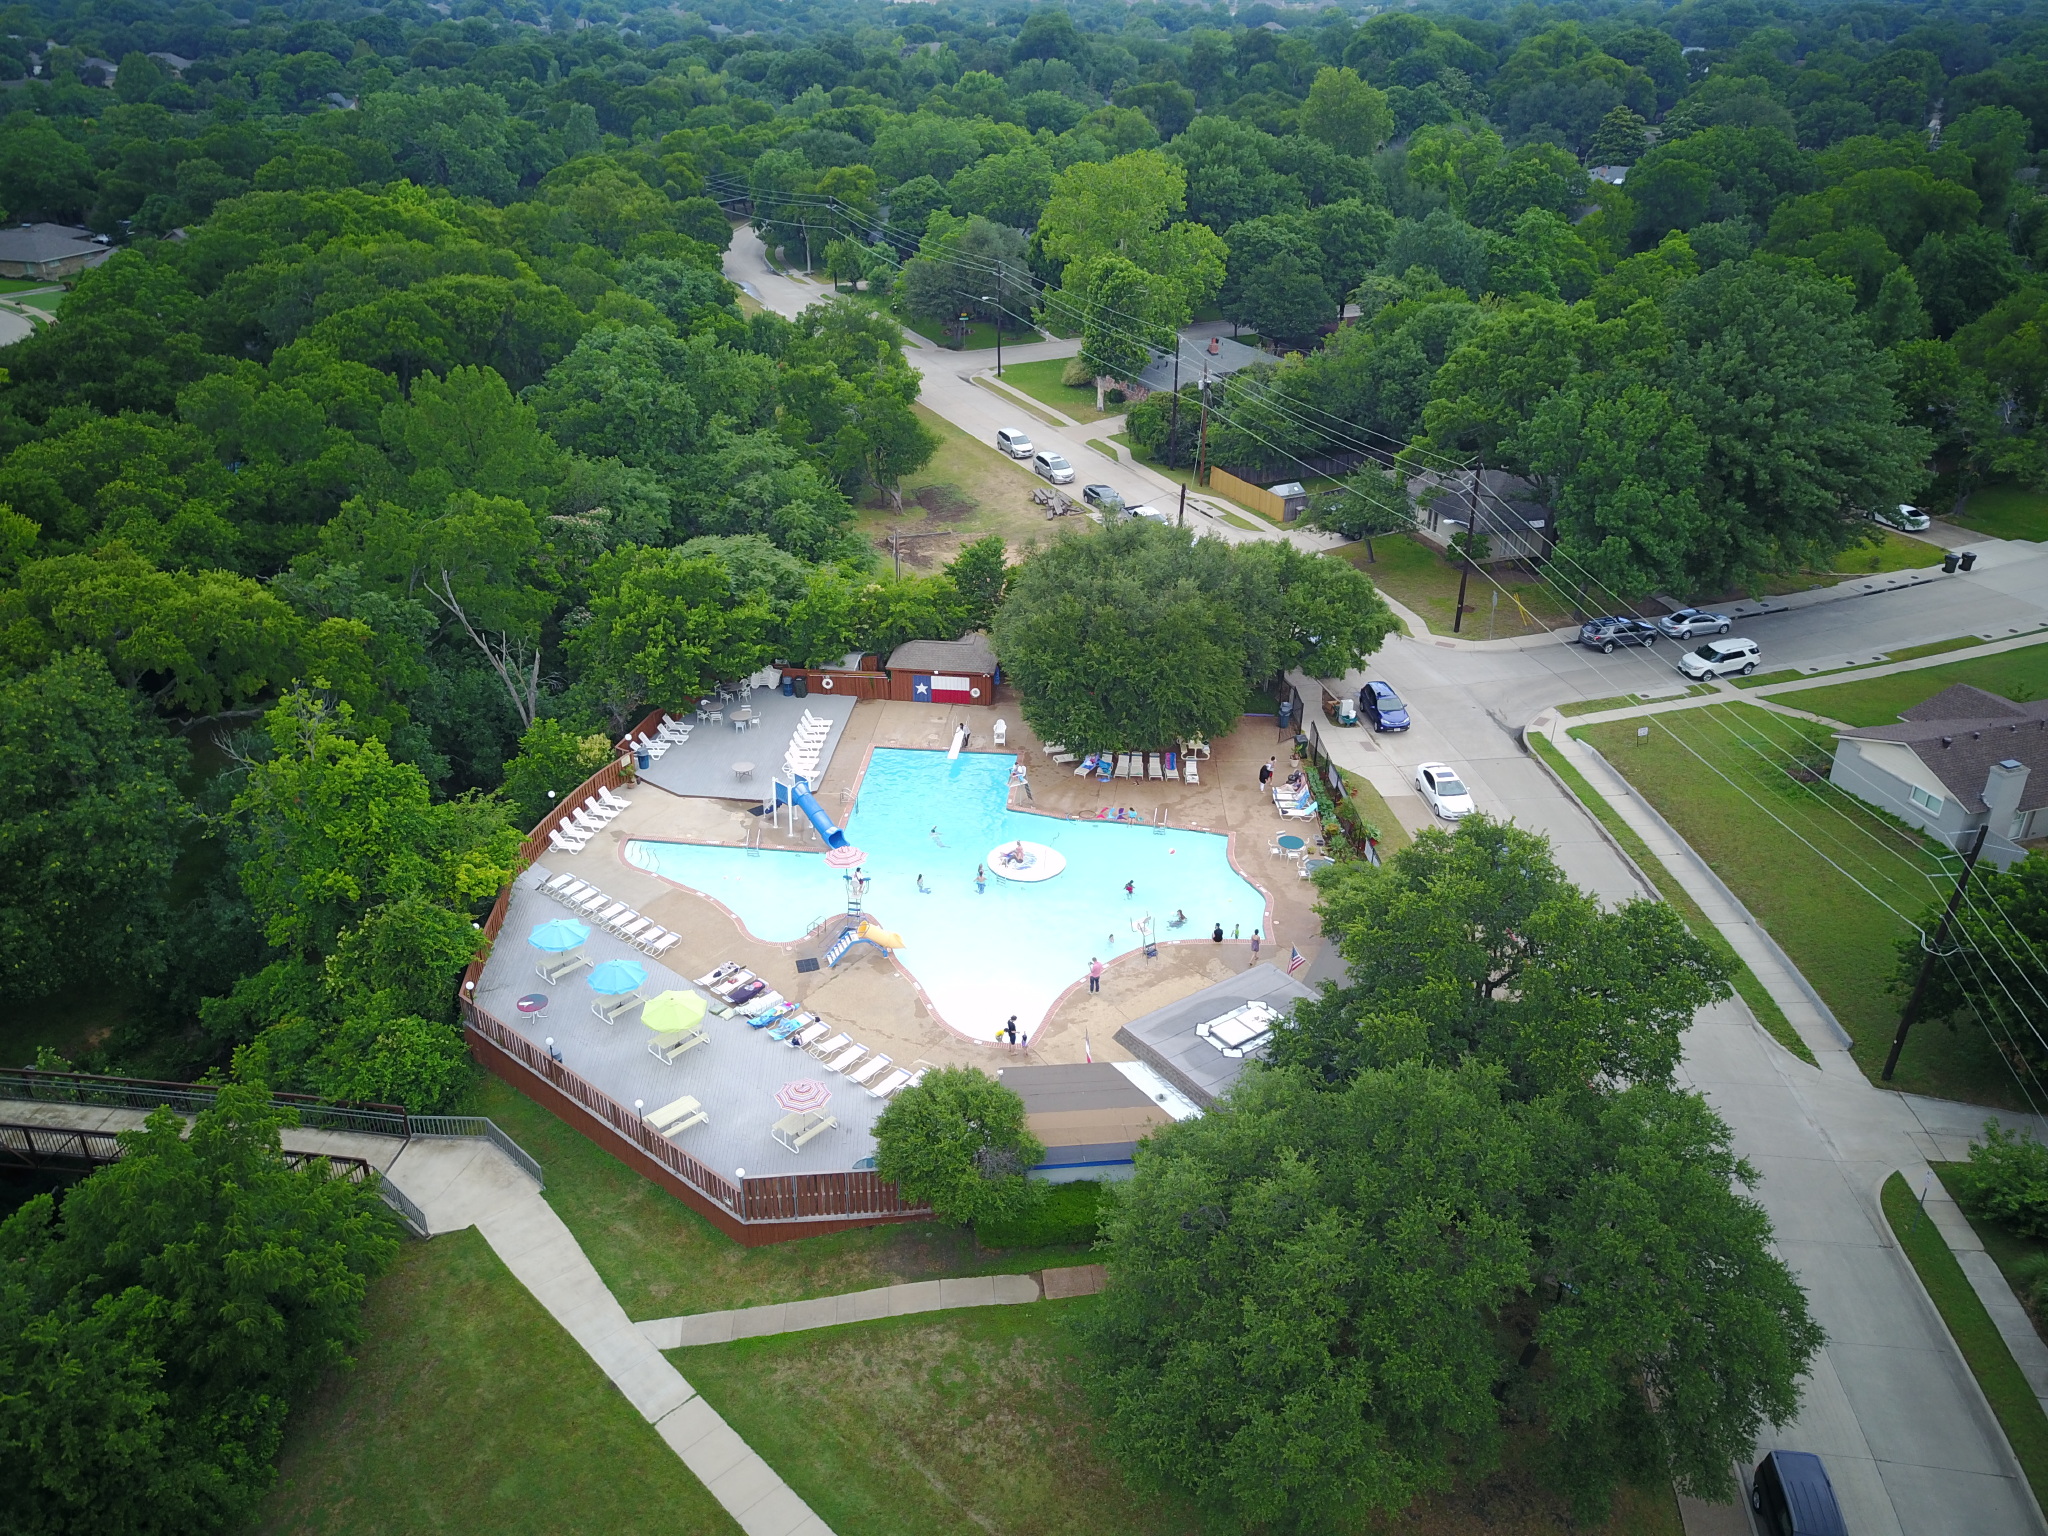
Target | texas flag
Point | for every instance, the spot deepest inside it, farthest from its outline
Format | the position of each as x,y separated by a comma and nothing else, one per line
928,689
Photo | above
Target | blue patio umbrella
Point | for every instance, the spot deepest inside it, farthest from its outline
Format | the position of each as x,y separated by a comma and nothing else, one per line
616,976
558,935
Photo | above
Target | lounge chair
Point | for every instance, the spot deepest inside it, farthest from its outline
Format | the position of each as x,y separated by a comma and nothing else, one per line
591,901
661,946
1153,767
571,893
1105,768
1122,767
610,914
563,842
1189,774
632,931
554,967
795,1130
732,981
830,1047
868,1070
615,801
596,809
768,1002
810,1035
1172,765
1088,765
556,882
846,1058
1063,757
790,1025
666,1048
769,1017
611,1009
714,977
1002,732
889,1084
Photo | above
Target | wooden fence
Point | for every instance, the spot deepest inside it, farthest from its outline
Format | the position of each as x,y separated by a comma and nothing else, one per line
1244,493
845,685
755,1211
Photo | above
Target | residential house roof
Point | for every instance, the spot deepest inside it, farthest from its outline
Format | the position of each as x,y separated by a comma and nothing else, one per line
46,242
1227,359
970,653
1961,750
1959,701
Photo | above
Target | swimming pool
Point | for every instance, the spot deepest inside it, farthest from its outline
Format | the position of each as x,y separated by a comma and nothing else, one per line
980,955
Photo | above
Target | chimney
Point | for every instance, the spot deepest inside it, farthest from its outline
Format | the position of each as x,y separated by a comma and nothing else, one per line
1215,346
2003,786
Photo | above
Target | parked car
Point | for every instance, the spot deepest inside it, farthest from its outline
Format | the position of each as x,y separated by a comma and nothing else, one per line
1383,707
1444,790
1687,622
1151,514
1606,634
1016,442
1792,1493
1721,658
1103,498
1907,519
1054,467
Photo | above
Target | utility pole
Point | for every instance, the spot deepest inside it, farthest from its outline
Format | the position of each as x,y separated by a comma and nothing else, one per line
1173,431
1182,520
1202,450
1933,952
986,299
1471,532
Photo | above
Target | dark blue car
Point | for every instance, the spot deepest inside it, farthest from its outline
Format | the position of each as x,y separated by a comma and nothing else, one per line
1379,704
1792,1493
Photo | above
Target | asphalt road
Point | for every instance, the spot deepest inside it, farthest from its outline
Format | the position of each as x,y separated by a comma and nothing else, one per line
1911,1445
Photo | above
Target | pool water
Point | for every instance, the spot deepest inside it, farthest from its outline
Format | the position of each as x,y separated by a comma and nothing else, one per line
979,955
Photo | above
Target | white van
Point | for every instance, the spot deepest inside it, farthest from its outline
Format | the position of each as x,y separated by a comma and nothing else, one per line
1054,467
1721,658
1015,442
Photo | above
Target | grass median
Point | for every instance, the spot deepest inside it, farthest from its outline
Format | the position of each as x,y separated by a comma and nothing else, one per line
2020,675
470,1409
1835,882
2004,1385
1742,978
1041,381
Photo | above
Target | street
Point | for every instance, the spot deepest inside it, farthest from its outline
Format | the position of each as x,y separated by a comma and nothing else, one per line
1910,1444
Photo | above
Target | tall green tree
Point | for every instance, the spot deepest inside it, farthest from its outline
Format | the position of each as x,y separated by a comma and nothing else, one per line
958,1143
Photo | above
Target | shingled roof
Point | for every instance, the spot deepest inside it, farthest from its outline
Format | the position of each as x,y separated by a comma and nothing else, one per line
1962,750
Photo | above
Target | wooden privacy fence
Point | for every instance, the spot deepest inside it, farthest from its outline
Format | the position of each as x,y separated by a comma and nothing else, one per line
755,1211
842,685
1245,493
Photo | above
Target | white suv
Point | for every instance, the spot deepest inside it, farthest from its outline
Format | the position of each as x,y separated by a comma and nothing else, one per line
1721,658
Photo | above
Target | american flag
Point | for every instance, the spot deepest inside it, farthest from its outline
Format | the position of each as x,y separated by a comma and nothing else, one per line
1088,1047
1294,960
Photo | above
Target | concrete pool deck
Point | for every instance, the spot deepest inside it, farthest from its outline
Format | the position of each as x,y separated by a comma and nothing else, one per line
871,998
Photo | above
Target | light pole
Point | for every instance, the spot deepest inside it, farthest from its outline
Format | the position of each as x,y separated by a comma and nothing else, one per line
986,299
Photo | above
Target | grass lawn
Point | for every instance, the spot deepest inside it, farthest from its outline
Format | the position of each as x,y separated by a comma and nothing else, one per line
1895,552
40,285
1374,810
2019,1411
661,1259
2020,675
1834,881
1041,381
470,1410
1742,978
974,1422
2005,512
2006,1248
1414,574
1905,653
968,491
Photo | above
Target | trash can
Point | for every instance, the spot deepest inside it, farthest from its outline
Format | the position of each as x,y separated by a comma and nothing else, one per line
1969,558
788,686
1286,712
641,760
1949,562
802,690
1347,711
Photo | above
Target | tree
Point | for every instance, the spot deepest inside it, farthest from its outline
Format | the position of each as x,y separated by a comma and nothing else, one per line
843,263
981,574
1370,503
1512,1216
2004,922
1119,332
1286,300
552,760
1142,633
1621,138
664,627
157,1336
91,830
1345,113
958,1143
892,441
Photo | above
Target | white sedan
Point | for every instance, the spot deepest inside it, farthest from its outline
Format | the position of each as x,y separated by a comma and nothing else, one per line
1444,790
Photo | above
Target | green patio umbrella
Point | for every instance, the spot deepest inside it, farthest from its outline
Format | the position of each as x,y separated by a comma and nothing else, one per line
669,1013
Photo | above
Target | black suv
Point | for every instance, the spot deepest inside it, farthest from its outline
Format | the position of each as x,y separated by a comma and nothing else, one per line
1606,634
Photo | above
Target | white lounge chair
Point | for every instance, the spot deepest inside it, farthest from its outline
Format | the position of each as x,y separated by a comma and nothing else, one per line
811,1035
631,932
1002,731
566,842
591,900
889,1084
661,946
1123,766
555,883
831,1047
568,895
1188,771
868,1070
846,1058
1153,767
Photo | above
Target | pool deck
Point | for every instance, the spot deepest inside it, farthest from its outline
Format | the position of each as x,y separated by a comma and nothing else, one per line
872,998
703,765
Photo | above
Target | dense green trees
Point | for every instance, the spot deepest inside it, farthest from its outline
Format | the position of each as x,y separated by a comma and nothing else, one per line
1510,1213
958,1143
1141,635
158,1333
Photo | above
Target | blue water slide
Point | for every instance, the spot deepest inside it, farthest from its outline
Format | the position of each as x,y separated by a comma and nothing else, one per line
801,798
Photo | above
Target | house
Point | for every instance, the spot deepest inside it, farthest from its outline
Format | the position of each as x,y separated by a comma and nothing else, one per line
1613,175
176,63
50,250
1090,1116
1200,1043
962,671
1220,356
1964,759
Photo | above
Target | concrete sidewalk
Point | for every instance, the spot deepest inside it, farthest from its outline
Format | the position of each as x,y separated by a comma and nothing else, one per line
849,1307
472,1183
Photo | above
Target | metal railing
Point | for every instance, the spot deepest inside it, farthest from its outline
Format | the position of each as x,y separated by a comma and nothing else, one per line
411,1214
36,1087
32,1146
477,1125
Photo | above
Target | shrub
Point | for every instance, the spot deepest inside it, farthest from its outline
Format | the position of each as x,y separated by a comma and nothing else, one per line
1059,1215
2030,1276
1115,396
1076,375
2006,1180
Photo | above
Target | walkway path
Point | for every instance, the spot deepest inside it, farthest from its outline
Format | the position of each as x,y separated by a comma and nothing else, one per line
870,1305
1988,1281
467,1183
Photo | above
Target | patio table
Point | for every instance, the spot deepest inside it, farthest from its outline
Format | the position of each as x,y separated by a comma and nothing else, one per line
743,770
1292,843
